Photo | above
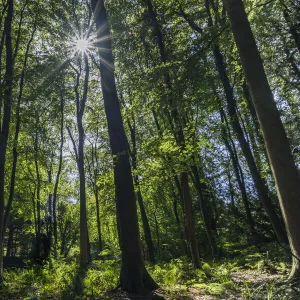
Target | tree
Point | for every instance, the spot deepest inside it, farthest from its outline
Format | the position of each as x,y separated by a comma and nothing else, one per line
133,277
6,118
277,144
79,155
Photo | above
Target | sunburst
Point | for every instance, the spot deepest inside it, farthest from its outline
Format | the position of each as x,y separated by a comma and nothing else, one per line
81,45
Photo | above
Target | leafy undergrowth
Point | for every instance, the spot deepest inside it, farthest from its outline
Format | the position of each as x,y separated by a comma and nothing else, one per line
250,273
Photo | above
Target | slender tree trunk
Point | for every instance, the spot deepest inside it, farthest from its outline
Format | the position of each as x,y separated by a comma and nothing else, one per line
134,277
188,213
260,139
85,256
232,110
84,238
237,168
205,209
2,41
38,193
6,119
54,203
259,184
146,227
176,127
182,233
283,167
16,137
92,169
100,247
157,235
147,231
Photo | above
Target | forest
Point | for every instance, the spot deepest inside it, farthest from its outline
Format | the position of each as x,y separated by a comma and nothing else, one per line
149,149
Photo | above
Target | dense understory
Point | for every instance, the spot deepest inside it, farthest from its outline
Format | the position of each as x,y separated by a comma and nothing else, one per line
257,272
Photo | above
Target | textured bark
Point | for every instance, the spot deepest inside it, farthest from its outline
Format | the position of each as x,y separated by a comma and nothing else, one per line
6,118
283,167
133,277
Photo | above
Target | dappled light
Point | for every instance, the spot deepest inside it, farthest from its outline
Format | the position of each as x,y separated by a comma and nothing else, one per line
148,149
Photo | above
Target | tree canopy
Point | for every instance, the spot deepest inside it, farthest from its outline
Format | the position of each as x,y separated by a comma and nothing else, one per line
147,144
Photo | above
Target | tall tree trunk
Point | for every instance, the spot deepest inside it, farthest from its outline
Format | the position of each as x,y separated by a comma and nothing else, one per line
181,232
6,119
207,216
232,111
92,169
85,256
133,277
239,178
283,167
54,203
38,192
100,247
16,137
178,186
2,41
146,227
176,127
147,231
259,184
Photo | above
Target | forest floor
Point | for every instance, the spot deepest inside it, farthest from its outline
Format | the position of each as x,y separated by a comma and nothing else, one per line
250,273
246,284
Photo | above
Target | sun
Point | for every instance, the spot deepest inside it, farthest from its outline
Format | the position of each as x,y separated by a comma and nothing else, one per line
82,45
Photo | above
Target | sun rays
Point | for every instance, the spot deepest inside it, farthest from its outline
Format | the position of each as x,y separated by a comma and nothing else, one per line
82,45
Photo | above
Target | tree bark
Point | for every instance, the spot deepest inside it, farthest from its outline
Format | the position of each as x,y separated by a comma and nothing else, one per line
85,256
283,167
6,119
54,203
92,169
134,277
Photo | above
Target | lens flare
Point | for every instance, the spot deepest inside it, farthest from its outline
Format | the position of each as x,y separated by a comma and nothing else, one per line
82,45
